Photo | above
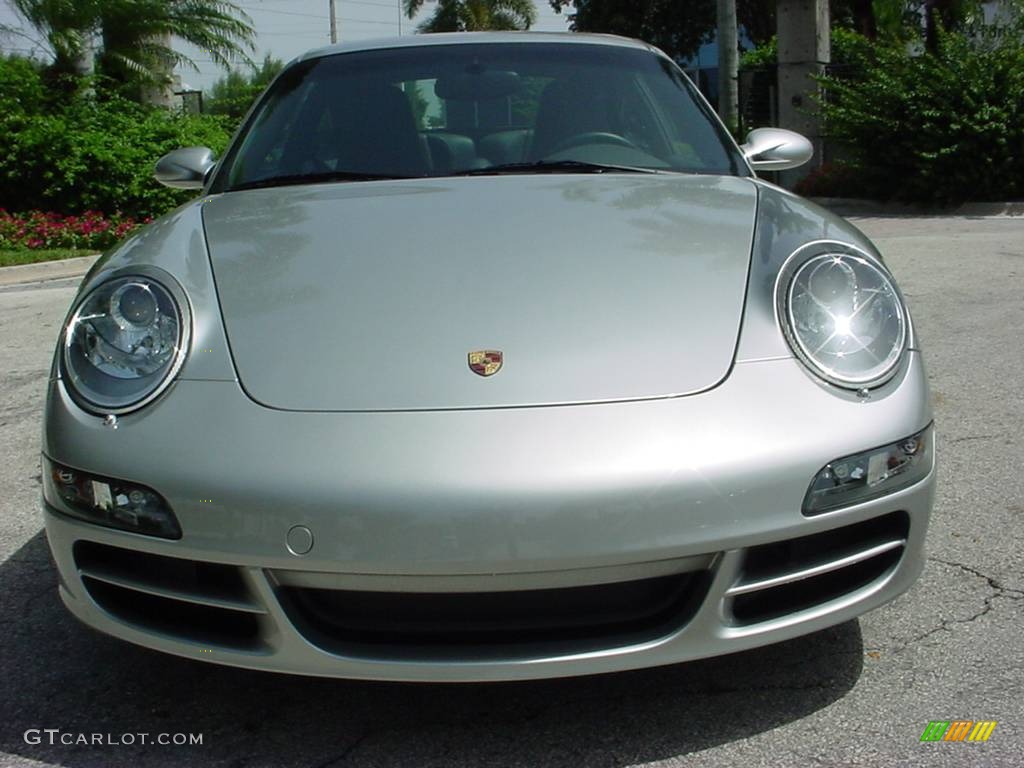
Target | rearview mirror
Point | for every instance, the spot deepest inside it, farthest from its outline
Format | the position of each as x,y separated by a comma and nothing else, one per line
776,149
185,168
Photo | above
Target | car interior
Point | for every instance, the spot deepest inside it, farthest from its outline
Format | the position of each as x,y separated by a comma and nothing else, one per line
393,131
463,120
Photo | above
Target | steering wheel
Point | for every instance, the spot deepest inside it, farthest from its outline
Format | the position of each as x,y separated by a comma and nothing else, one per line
592,137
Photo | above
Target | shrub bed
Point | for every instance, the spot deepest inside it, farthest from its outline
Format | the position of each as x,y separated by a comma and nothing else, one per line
36,230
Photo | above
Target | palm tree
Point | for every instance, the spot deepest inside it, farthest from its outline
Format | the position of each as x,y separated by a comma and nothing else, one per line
67,26
135,35
728,64
475,15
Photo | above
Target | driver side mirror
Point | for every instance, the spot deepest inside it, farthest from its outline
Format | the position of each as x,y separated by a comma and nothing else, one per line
776,149
185,168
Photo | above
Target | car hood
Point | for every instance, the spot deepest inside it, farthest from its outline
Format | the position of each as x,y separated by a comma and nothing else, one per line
369,296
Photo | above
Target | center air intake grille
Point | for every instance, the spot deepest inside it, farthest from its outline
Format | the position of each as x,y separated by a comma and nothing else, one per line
481,624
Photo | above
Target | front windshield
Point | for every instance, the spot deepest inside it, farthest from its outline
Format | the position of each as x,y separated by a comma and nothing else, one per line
444,110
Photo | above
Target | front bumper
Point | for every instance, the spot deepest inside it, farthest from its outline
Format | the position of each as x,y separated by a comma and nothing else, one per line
493,502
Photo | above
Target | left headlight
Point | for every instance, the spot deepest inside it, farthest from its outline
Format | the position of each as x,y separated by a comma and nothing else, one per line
124,343
844,317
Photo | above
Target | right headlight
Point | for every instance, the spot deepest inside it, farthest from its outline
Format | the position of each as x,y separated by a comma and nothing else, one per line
124,342
844,318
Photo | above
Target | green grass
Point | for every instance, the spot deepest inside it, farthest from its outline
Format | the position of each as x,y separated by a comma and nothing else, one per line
9,258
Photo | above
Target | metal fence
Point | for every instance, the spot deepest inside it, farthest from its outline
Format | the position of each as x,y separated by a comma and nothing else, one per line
758,98
759,94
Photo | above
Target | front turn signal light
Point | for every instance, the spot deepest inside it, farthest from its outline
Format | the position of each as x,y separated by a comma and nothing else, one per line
871,474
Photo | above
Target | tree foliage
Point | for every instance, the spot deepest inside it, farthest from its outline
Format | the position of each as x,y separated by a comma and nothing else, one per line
475,15
677,28
233,94
847,48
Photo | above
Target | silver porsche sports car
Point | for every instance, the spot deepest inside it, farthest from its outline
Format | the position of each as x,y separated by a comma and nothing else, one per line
485,357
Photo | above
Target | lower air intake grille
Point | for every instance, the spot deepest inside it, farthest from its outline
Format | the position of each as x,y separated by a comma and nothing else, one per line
479,624
792,575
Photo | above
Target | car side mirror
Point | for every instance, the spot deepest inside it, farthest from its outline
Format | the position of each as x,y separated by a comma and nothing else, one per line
185,168
776,149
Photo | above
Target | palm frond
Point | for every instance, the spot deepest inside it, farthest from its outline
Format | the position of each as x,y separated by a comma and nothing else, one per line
475,15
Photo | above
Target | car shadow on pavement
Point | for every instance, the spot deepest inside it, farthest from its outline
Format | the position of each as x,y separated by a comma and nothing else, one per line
58,674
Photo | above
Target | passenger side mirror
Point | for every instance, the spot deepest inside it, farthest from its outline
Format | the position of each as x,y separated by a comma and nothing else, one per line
776,149
185,168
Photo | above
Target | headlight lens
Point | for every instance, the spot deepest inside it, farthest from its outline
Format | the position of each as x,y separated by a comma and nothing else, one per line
123,344
845,319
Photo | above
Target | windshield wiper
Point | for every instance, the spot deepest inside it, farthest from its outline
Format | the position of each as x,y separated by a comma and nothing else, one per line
314,178
555,166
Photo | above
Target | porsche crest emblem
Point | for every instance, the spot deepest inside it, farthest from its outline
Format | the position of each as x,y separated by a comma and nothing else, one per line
485,362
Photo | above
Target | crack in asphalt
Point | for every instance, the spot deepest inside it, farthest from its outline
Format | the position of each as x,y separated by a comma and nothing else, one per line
26,605
952,440
993,583
344,755
988,604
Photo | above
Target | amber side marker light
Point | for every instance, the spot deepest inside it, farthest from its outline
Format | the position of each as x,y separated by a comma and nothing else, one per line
108,502
871,474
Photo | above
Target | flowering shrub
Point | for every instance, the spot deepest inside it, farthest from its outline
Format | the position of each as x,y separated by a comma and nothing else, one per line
90,230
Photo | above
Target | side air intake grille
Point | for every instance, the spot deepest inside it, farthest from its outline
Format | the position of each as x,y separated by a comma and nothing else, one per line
202,602
788,576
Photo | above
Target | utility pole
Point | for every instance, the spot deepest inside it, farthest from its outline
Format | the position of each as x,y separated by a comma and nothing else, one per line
728,64
334,22
805,47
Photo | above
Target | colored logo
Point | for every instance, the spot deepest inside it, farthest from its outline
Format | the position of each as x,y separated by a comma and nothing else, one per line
958,730
485,362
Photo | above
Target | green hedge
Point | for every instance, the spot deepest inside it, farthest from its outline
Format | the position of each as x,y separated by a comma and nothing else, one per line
845,45
79,153
935,128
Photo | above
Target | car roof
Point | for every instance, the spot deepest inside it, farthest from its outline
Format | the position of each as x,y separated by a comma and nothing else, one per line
462,38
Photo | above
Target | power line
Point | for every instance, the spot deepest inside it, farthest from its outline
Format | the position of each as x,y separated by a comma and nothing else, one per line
292,13
346,2
369,2
366,21
389,6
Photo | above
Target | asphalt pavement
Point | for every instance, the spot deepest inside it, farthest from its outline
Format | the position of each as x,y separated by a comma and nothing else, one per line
857,694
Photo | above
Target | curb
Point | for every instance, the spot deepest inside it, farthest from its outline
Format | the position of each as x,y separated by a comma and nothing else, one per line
47,270
845,206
